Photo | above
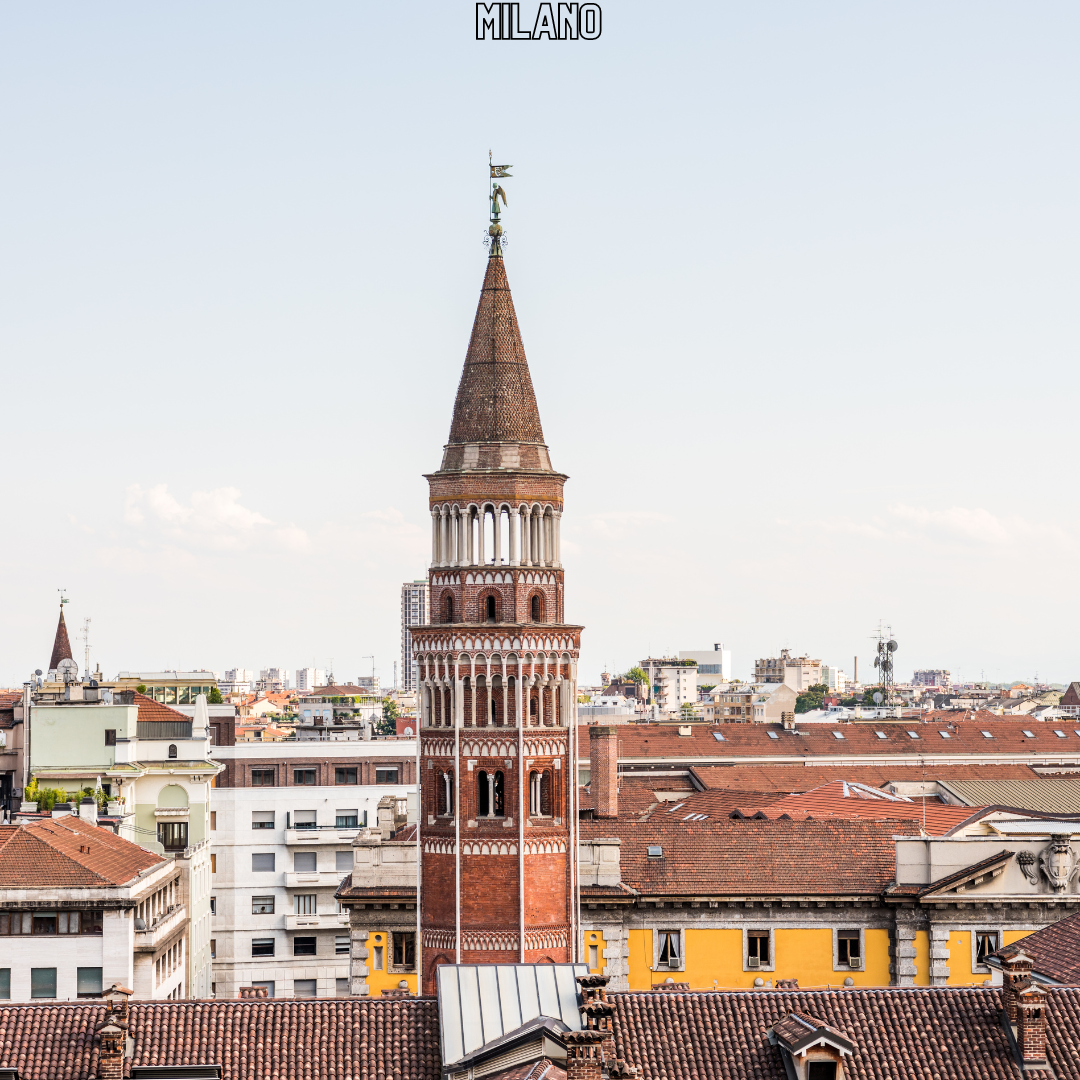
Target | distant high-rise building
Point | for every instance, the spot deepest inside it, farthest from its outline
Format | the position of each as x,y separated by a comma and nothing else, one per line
799,672
834,678
368,683
933,677
307,678
272,680
235,681
712,667
414,612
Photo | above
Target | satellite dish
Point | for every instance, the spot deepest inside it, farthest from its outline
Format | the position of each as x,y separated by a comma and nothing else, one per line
37,671
877,697
892,645
877,660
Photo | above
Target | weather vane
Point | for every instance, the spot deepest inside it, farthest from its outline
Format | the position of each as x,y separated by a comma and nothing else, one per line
495,240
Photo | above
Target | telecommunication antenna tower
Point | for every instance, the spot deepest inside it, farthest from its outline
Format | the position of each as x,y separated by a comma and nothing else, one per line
86,646
883,661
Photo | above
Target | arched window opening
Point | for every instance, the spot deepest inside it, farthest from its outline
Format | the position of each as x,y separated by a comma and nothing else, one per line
534,794
545,794
537,614
448,609
172,750
447,800
483,802
498,806
489,609
492,711
532,710
489,794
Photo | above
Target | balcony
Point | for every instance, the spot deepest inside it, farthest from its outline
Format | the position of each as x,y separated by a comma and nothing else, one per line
314,879
319,834
154,936
323,921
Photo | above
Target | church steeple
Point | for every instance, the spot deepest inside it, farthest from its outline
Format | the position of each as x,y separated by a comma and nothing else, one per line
61,649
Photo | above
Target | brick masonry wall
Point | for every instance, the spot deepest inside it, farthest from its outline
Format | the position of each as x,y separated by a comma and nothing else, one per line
513,488
604,771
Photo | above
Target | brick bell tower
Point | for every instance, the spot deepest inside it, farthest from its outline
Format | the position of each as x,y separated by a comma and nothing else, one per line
497,669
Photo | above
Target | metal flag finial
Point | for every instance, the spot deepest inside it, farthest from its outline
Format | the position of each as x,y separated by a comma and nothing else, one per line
495,239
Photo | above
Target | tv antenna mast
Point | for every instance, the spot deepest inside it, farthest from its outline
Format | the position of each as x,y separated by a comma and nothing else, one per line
883,661
86,645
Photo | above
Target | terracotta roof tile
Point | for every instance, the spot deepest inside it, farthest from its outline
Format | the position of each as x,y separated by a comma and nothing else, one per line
797,777
68,851
1055,950
752,858
149,709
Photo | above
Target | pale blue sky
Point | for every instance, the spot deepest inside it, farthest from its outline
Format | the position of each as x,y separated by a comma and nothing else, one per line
797,283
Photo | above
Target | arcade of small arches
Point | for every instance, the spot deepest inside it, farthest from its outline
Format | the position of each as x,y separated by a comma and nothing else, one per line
489,796
492,534
494,691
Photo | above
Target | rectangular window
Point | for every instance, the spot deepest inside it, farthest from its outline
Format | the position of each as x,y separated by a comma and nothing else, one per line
757,948
304,819
347,819
213,862
821,1070
213,820
267,986
213,905
213,948
305,904
88,982
669,948
305,988
173,835
43,982
262,905
305,862
386,776
262,863
262,819
262,946
377,954
404,950
343,861
345,776
5,983
303,946
110,736
304,777
341,945
342,987
45,922
848,953
986,942
262,778
594,957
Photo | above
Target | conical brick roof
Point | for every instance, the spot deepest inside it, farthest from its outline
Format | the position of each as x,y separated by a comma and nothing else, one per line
61,649
495,400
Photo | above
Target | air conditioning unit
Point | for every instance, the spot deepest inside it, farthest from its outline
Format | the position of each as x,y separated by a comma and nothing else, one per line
855,963
752,962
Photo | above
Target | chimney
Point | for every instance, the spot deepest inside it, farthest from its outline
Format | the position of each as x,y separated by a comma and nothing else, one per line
88,809
252,993
583,1054
1014,970
604,771
62,809
597,1012
1031,1025
111,1053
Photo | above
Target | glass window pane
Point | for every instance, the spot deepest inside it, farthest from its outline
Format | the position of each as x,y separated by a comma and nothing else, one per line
262,862
45,922
170,695
347,819
304,988
305,862
343,862
5,983
43,982
88,982
304,946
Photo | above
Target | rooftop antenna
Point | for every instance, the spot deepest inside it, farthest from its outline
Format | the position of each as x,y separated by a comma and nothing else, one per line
372,659
86,644
883,661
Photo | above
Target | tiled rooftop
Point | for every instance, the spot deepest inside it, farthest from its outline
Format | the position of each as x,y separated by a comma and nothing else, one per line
789,778
1055,950
68,851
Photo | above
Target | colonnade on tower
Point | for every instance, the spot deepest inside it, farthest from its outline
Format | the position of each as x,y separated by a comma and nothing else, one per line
497,673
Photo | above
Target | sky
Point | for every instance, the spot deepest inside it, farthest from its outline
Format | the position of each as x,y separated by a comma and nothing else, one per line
797,284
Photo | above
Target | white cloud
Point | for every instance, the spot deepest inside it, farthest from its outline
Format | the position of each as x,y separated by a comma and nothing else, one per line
213,519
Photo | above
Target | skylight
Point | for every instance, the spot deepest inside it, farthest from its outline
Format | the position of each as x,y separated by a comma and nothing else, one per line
773,735
1029,734
837,734
1059,734
655,851
718,737
944,734
913,734
881,734
990,735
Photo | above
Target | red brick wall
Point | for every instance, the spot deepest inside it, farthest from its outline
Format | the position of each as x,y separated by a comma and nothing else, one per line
604,771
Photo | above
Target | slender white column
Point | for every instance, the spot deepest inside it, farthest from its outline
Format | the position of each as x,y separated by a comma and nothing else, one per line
434,538
482,520
520,811
445,552
496,517
491,793
515,525
452,525
542,540
557,525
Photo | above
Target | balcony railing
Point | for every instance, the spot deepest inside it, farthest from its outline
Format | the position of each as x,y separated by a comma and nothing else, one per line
163,925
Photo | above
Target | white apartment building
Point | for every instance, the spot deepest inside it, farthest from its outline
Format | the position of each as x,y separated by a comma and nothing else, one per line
69,939
673,682
414,612
712,667
236,681
307,678
834,678
274,680
933,677
284,816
